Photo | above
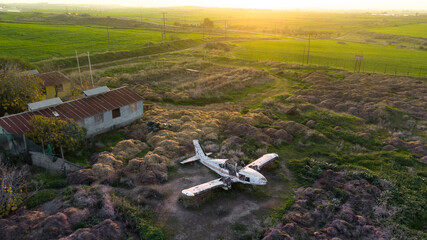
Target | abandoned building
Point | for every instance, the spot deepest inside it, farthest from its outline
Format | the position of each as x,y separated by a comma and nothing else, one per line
99,110
56,84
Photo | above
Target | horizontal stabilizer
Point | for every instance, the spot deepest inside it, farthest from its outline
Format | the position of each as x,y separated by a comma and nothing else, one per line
193,158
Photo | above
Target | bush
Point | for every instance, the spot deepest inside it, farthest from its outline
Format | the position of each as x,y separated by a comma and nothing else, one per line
138,219
40,197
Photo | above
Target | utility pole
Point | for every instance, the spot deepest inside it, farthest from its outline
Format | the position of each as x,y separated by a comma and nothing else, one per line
225,30
90,68
303,55
108,35
164,28
78,66
308,51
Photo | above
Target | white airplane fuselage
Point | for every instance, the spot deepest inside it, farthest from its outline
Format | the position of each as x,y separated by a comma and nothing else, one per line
245,175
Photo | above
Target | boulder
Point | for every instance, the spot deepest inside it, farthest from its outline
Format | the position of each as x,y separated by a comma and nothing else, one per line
82,176
129,148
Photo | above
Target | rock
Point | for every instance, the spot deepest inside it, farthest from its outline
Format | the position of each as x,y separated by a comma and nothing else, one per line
128,149
75,215
82,176
310,123
388,148
53,227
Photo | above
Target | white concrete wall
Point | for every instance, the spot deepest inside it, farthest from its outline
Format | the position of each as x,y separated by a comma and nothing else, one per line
126,117
41,160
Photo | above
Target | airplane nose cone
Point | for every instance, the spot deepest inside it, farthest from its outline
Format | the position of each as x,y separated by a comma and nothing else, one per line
263,181
187,193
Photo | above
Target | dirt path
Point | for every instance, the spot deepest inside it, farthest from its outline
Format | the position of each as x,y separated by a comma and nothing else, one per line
226,215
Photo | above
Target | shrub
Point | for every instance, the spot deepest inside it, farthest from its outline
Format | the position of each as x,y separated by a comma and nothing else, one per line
138,219
40,197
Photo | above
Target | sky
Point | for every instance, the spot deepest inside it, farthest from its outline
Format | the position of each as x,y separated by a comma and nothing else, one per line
262,4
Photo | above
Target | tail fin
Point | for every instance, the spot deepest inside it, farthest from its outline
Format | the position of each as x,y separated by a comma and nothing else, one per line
199,153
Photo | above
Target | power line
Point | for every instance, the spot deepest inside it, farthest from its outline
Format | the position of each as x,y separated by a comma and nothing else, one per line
164,28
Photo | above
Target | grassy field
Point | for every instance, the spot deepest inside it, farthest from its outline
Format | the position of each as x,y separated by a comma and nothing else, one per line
34,42
413,30
377,58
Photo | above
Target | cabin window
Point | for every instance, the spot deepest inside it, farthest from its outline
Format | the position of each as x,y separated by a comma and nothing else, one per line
99,118
242,177
116,113
132,107
221,165
247,179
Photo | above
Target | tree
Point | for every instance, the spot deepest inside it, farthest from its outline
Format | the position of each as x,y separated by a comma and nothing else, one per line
13,189
63,134
207,23
17,90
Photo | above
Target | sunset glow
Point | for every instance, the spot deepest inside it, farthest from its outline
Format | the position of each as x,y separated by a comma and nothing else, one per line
267,4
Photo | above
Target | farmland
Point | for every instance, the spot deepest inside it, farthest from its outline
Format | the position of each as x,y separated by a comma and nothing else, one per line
377,58
35,42
413,30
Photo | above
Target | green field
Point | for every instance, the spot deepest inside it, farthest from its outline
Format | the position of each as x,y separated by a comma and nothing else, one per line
377,58
413,30
34,42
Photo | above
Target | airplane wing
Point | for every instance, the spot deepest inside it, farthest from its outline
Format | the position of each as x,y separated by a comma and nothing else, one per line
193,191
260,162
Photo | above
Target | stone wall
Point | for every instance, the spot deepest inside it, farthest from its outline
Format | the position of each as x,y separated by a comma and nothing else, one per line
52,163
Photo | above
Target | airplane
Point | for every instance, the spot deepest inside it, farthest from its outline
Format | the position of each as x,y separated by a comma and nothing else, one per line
229,173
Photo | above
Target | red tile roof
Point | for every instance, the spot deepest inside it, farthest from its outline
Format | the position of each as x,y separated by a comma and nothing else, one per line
77,109
53,78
